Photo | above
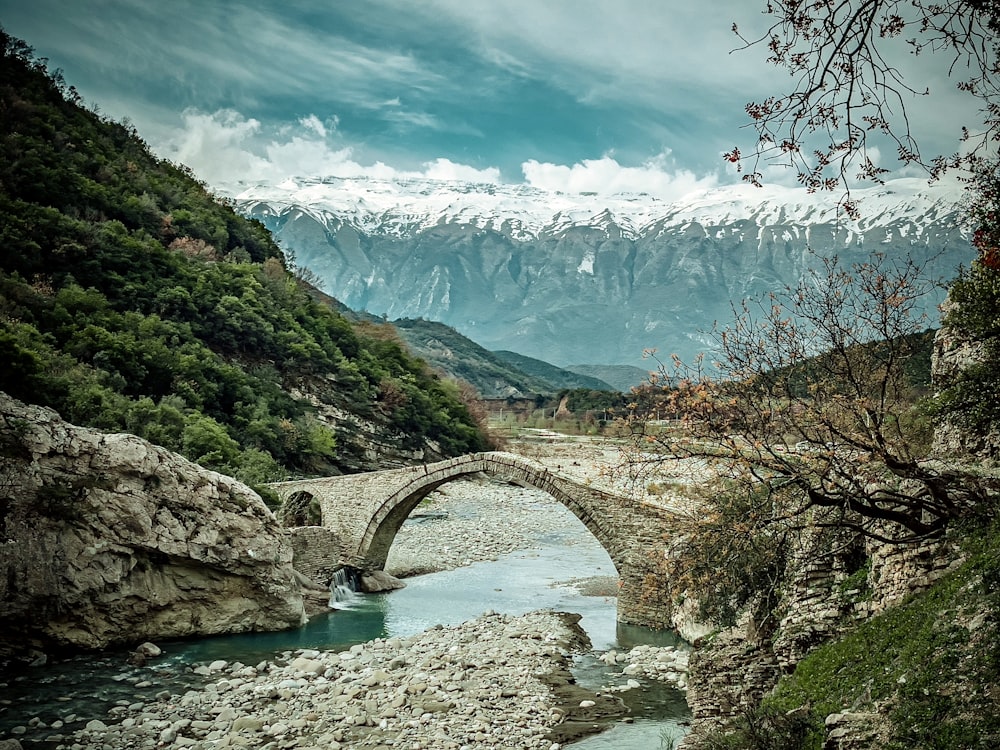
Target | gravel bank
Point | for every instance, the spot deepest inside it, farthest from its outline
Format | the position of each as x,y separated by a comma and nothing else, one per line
494,682
473,520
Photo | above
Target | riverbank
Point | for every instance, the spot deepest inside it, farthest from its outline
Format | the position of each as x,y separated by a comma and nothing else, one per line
511,674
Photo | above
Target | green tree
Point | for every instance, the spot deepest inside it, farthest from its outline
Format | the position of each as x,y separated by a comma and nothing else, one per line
208,442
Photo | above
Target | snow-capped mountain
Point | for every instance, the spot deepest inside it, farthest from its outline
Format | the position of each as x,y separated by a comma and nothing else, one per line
571,278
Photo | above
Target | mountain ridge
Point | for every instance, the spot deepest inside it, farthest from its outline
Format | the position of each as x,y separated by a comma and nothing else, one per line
403,206
589,277
443,347
559,377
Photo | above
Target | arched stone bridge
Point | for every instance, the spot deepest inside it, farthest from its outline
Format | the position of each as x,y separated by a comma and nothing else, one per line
366,510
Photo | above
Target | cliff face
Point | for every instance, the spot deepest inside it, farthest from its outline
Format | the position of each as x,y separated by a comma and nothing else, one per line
838,583
955,351
108,539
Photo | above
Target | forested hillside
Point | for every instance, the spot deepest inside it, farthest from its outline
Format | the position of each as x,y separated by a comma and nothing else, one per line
493,374
131,299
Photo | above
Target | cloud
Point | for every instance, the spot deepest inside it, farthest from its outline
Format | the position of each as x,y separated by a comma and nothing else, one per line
606,175
214,145
445,169
502,82
635,50
225,148
313,123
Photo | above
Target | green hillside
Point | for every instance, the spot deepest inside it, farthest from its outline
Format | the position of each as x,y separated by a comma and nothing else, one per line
621,377
132,299
451,352
557,377
932,664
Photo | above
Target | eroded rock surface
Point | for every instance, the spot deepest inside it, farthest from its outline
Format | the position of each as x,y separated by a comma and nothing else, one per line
107,539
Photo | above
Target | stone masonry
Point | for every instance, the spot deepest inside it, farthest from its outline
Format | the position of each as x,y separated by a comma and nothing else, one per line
365,511
315,552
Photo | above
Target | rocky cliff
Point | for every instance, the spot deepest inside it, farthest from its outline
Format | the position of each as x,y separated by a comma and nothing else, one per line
838,583
955,352
109,540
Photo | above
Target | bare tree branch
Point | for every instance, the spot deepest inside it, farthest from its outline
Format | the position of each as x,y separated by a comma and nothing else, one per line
847,89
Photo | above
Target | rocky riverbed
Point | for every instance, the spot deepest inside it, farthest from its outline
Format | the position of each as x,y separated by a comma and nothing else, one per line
498,681
494,682
487,683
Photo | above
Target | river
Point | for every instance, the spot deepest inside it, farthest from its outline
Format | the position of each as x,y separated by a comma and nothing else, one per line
558,560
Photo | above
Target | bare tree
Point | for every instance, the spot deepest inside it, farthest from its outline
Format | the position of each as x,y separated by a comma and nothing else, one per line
809,420
809,417
846,89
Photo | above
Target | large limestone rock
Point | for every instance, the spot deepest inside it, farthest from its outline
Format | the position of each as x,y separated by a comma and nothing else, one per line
955,350
107,539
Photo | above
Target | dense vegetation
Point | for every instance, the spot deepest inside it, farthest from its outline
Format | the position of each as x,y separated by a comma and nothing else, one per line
132,299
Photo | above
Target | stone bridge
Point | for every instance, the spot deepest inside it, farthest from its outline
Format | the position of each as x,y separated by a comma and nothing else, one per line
365,511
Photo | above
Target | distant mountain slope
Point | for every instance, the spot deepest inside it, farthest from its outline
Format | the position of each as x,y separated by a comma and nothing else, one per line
558,377
588,278
460,357
134,301
622,377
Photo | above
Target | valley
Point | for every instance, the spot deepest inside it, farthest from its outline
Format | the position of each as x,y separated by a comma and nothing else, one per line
221,403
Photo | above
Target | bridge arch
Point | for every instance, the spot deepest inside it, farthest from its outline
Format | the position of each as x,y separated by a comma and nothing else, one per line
301,508
583,501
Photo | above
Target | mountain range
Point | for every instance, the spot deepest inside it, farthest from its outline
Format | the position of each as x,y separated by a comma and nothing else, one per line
593,278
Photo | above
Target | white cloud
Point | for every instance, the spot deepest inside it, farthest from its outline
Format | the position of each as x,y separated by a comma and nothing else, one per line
607,176
213,145
313,123
225,148
445,169
633,50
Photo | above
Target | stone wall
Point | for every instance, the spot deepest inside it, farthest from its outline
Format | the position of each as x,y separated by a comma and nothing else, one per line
819,600
897,571
316,552
725,677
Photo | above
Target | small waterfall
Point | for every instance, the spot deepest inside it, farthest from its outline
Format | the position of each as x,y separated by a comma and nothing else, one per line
343,589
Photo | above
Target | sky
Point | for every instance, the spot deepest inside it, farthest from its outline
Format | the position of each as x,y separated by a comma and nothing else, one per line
571,95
